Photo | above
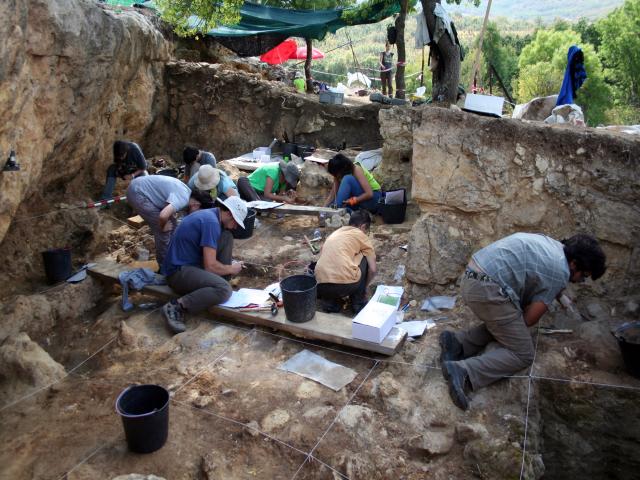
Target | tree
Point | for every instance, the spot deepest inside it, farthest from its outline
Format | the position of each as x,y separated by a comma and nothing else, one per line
180,14
620,50
446,76
541,68
499,55
402,55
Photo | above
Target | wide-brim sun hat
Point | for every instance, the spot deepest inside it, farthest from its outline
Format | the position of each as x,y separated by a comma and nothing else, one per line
207,178
290,172
237,207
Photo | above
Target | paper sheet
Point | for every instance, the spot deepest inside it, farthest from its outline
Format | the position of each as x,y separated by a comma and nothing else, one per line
247,296
416,328
310,365
263,205
311,158
388,294
433,304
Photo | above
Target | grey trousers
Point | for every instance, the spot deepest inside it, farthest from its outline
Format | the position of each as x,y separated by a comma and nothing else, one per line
150,213
503,326
202,289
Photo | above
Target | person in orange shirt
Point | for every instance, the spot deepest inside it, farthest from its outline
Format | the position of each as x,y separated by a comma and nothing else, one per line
347,264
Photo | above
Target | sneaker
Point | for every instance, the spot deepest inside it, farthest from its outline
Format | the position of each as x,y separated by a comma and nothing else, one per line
459,384
174,315
451,348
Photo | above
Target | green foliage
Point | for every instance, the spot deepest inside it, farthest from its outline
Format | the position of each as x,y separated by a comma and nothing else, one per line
500,54
620,51
180,14
541,68
588,32
307,4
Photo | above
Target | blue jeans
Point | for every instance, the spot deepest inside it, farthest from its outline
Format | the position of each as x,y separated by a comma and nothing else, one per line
350,187
110,184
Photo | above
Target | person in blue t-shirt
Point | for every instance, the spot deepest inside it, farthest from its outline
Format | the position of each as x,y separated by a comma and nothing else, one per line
198,262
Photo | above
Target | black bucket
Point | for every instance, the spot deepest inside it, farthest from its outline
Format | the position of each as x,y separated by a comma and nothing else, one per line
144,410
303,151
288,149
247,231
57,264
299,297
394,213
628,336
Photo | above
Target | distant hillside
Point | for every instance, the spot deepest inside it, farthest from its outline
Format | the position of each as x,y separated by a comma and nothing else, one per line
546,10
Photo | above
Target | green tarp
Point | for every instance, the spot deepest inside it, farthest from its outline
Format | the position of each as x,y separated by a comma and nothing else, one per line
263,20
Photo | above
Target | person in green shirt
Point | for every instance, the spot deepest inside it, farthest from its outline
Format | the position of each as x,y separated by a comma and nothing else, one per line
276,182
353,187
299,82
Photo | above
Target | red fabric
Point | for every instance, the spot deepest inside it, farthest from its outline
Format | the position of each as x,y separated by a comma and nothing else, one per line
301,54
281,53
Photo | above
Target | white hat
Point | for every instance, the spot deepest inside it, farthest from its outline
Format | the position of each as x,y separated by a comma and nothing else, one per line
207,178
237,207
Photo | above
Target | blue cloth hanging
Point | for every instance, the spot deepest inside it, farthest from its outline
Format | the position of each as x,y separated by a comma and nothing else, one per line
574,76
137,279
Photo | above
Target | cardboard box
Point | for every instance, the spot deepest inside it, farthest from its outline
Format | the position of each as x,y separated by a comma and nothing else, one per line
331,97
374,322
484,104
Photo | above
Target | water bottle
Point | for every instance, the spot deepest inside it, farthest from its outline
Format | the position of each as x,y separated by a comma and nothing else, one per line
399,273
317,235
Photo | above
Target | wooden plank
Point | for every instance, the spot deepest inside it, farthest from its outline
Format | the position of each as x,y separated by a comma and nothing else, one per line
307,210
331,328
136,221
244,164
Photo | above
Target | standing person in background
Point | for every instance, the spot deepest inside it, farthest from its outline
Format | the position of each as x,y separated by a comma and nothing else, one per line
347,264
276,182
386,69
128,163
157,198
353,187
194,159
299,82
509,285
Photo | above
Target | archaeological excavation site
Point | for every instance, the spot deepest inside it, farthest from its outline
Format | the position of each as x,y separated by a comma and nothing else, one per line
109,371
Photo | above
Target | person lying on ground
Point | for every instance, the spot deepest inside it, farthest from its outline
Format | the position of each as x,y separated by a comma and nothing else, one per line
509,285
157,198
353,186
214,181
274,182
128,163
199,261
193,159
347,264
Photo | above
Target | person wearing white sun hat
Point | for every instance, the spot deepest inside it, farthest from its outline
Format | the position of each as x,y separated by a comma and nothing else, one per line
199,261
214,181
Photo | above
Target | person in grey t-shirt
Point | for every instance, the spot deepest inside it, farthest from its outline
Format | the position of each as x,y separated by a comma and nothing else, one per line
157,198
509,285
194,159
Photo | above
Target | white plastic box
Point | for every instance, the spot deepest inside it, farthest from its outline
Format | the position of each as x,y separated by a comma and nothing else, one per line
331,97
374,322
485,104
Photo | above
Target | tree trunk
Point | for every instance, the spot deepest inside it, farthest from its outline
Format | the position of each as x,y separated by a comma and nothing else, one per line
307,65
446,77
402,55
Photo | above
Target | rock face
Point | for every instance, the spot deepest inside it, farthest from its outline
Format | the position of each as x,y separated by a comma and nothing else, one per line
492,177
231,112
74,76
537,109
24,365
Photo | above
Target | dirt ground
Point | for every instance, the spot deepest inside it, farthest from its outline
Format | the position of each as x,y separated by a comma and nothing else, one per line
235,415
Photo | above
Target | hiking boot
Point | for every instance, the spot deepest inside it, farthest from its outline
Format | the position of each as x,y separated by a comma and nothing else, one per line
331,306
459,384
451,348
174,315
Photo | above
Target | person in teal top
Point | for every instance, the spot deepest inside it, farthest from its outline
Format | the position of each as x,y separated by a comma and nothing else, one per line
353,185
215,181
276,182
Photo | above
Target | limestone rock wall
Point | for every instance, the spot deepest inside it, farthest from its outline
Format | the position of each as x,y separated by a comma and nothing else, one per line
74,76
478,179
230,112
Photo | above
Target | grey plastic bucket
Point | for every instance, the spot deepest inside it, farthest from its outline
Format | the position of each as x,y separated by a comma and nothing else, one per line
299,297
144,410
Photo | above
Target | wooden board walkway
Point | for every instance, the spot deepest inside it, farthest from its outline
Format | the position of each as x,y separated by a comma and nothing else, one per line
306,210
332,328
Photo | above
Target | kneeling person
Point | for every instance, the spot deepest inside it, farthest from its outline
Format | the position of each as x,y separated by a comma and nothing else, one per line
347,264
199,263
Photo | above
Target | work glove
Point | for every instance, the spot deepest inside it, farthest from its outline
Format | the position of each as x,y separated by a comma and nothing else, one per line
351,201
